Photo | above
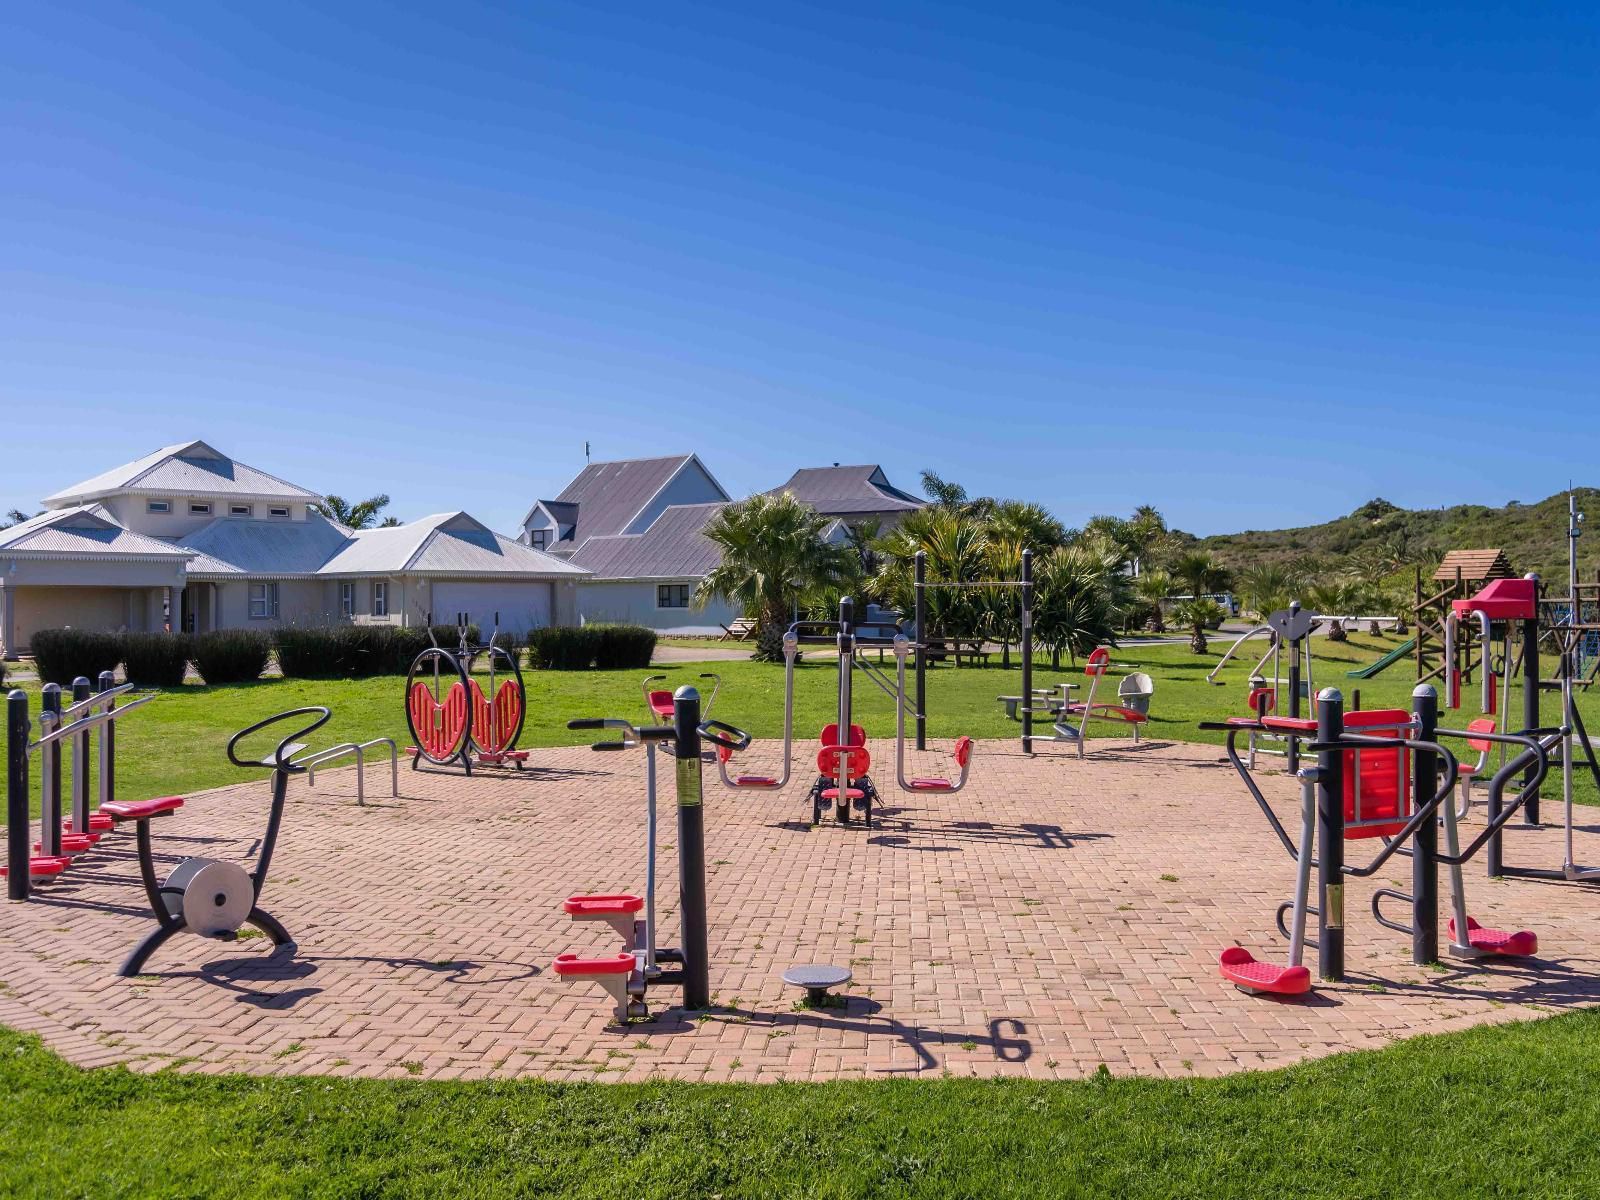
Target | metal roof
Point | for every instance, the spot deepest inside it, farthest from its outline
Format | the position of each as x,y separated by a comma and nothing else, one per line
86,529
844,490
443,544
189,468
672,548
234,546
608,495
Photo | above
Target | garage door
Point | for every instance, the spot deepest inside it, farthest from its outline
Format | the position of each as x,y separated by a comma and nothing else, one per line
522,605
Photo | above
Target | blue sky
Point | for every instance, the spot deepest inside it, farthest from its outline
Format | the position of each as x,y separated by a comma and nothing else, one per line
1252,264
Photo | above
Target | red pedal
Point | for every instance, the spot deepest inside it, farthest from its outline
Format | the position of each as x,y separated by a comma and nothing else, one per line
756,781
570,966
1521,944
98,823
601,906
1240,968
73,843
41,868
931,785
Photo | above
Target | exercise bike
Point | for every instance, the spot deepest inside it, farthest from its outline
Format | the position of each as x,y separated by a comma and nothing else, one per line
211,897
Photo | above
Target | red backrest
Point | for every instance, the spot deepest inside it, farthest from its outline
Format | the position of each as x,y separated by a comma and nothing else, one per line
1097,662
1384,777
857,763
661,703
963,751
1481,725
1257,695
724,753
830,736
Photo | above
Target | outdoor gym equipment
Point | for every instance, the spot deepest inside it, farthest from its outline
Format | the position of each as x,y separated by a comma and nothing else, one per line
766,783
1513,604
627,975
963,749
211,897
451,719
1379,774
1290,631
91,716
1089,710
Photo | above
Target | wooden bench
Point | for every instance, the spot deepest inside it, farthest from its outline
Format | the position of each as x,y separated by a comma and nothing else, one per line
742,630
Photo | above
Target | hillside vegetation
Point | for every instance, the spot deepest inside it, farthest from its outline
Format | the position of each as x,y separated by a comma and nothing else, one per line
1533,536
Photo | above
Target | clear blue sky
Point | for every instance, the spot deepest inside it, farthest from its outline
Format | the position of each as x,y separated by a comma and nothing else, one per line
1252,264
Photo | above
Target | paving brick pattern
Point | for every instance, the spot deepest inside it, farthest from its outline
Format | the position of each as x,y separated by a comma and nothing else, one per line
1055,916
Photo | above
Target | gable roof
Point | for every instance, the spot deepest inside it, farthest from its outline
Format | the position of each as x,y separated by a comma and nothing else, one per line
84,529
192,468
672,548
443,544
1475,565
228,546
606,497
844,490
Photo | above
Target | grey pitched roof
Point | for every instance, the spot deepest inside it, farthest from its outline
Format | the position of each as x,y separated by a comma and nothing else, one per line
443,544
563,511
672,548
609,495
230,546
187,468
87,530
844,490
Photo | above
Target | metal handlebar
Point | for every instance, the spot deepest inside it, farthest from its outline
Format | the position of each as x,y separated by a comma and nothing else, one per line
277,762
716,686
712,731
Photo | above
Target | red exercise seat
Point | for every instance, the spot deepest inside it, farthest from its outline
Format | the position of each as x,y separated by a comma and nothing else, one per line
1498,941
141,810
661,704
1291,724
594,906
1131,716
1240,968
43,867
570,965
850,793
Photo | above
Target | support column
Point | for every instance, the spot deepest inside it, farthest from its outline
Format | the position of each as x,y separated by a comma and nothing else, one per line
1425,845
8,623
691,849
1330,837
1530,695
1027,651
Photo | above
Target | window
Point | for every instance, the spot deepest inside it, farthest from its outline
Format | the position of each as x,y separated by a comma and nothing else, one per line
380,599
347,599
278,511
263,601
539,539
672,595
241,510
158,506
199,508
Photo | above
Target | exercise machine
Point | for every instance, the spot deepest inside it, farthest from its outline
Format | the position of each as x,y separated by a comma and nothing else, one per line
1089,709
1380,774
748,779
1289,630
628,974
68,826
212,897
453,721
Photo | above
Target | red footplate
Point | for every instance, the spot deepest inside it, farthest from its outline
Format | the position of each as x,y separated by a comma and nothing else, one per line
41,868
1240,968
595,906
572,965
1520,944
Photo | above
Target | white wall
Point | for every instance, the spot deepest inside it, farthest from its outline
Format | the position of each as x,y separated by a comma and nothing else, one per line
133,512
690,486
634,603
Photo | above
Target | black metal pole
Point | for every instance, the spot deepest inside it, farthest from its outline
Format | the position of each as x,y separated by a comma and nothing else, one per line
1330,838
922,638
1293,753
691,848
1425,845
18,852
80,762
1027,651
1530,696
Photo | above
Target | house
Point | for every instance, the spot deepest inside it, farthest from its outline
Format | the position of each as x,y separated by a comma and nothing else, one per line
852,495
634,527
188,538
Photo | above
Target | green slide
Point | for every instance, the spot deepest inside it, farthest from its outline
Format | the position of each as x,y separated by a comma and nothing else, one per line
1388,660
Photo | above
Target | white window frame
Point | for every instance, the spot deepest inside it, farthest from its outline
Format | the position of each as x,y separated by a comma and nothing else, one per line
164,507
347,598
241,510
279,512
380,598
660,587
267,600
199,508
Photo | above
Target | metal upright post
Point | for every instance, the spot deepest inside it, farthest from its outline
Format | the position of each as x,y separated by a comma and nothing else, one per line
847,660
1330,837
1293,756
1425,845
80,761
921,653
691,848
106,777
50,772
1530,696
1027,651
18,851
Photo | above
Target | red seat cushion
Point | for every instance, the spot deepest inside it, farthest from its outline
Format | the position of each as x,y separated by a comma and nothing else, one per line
596,905
140,810
850,793
570,965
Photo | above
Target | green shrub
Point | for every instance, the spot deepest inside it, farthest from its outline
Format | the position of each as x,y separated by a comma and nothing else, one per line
2,672
623,647
342,651
231,655
61,655
156,659
449,637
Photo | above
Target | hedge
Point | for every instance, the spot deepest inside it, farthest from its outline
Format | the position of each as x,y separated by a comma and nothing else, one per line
603,647
61,655
231,655
156,659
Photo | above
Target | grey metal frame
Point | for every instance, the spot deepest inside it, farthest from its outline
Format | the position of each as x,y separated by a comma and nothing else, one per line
359,750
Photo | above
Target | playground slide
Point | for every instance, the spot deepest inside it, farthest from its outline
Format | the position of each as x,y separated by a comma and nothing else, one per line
1387,661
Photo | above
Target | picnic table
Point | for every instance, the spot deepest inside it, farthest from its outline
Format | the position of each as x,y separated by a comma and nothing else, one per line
1045,698
970,649
742,630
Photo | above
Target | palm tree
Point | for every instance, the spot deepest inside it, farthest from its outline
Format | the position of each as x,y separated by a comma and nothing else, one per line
14,516
1025,524
945,493
772,554
1198,574
1074,605
1337,598
1152,589
1267,587
1199,614
361,515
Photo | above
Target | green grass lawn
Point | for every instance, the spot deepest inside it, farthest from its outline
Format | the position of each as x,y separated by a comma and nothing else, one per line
175,743
1504,1111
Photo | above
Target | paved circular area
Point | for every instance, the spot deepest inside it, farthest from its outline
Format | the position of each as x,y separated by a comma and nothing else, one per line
1054,916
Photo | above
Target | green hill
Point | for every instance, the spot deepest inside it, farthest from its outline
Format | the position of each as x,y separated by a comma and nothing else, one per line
1533,536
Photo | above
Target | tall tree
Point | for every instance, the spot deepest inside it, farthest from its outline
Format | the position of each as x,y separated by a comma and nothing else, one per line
946,493
1198,574
361,515
772,555
15,516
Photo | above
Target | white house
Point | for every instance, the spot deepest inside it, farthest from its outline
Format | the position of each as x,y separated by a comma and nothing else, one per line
189,538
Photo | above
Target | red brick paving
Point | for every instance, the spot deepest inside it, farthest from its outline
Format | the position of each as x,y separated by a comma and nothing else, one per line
1021,927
